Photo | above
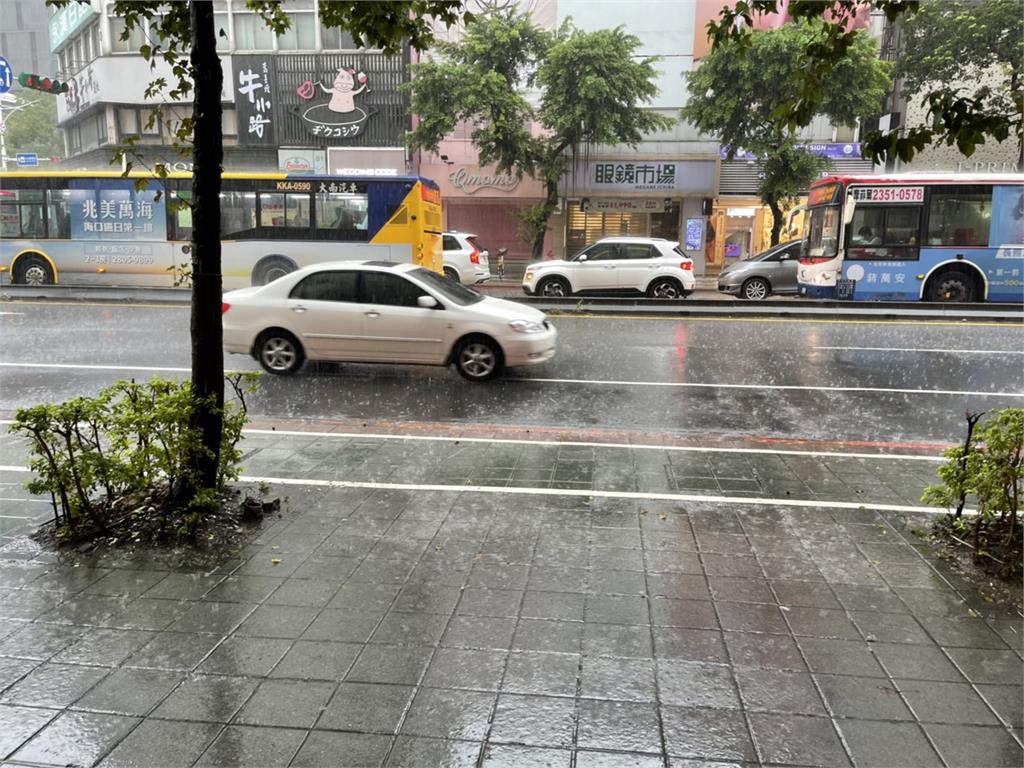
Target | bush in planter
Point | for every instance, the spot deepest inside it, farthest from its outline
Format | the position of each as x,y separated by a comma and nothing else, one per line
124,453
988,469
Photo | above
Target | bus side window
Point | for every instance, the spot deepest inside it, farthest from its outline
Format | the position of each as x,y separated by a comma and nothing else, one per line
58,213
179,210
341,216
237,214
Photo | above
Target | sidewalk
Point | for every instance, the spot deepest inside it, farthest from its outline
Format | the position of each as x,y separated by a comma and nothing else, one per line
517,623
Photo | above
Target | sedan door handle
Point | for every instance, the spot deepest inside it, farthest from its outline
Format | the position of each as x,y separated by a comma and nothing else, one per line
372,313
298,309
609,266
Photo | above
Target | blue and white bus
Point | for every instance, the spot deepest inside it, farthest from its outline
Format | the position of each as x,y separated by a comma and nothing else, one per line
96,228
914,237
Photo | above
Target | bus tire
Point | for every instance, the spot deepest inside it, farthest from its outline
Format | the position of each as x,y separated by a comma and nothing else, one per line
269,268
279,352
478,358
952,285
32,269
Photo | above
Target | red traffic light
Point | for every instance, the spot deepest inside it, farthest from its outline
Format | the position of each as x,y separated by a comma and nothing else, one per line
44,84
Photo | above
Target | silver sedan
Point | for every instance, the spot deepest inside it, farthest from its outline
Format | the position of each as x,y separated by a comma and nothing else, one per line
768,272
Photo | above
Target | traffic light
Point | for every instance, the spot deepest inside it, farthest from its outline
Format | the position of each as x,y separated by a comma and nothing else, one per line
40,83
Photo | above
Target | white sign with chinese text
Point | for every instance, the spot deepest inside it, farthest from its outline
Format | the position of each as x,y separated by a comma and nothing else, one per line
690,176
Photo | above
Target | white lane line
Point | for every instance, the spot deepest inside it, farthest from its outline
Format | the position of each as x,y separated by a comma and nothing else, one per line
793,387
12,313
577,492
929,351
76,366
587,444
583,493
600,382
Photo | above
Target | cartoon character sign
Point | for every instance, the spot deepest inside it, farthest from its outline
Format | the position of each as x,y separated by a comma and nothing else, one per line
339,117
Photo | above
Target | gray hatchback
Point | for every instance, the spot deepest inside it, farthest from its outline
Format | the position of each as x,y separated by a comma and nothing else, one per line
768,272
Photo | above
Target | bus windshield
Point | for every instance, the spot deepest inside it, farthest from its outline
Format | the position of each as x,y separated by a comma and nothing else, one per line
821,233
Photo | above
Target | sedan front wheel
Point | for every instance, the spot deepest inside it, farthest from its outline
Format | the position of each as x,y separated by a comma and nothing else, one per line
478,358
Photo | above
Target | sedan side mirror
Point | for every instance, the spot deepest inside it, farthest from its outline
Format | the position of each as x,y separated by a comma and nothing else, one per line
427,302
581,257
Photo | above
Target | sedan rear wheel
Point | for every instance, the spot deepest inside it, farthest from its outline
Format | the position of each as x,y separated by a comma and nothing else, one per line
755,289
478,358
279,352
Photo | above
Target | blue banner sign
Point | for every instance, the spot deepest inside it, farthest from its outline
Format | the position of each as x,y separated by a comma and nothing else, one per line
831,151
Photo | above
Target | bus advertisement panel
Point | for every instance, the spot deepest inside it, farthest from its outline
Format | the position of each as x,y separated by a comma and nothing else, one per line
98,229
910,238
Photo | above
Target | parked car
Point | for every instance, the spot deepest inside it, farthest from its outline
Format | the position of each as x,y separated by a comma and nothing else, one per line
378,312
648,265
765,273
465,260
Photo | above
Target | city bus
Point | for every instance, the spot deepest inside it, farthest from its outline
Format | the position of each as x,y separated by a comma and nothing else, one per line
914,237
96,228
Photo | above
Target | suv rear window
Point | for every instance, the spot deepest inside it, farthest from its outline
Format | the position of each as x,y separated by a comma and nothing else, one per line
476,243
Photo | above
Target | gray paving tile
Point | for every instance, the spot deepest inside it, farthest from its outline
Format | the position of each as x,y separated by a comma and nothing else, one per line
890,627
620,679
19,724
489,602
242,745
163,743
618,725
694,684
130,691
772,690
987,666
552,674
560,606
553,636
277,621
174,650
397,664
104,647
76,738
253,656
366,707
841,657
417,751
54,685
707,734
12,670
317,660
400,628
322,748
212,617
751,617
483,632
941,702
863,697
630,641
967,746
1007,702
617,609
797,740
694,614
342,625
213,698
286,703
916,662
772,651
449,714
534,720
39,641
689,644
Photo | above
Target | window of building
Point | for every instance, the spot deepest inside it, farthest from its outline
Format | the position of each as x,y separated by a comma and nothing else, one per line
127,122
960,219
301,35
222,29
136,38
252,33
334,39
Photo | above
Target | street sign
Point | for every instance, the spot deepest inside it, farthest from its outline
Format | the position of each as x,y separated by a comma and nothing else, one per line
27,159
6,75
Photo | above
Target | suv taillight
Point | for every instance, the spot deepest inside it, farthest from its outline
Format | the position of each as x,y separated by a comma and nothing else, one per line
224,307
475,255
687,265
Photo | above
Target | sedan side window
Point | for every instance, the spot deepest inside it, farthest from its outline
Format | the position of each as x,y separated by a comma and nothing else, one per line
382,288
328,286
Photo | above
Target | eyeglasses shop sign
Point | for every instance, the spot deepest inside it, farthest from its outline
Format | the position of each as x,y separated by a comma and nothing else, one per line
650,176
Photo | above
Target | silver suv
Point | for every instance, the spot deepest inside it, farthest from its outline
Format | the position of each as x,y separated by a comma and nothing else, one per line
465,260
648,265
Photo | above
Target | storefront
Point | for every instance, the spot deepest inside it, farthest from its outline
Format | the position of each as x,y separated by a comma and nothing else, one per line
740,224
481,201
647,198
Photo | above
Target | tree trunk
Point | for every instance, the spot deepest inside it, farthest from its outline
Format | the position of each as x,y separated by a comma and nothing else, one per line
550,205
773,206
207,333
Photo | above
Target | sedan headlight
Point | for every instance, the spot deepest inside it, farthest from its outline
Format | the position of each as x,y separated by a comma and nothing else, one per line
526,326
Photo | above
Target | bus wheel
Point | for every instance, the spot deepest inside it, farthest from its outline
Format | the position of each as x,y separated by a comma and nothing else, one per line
268,269
953,286
32,270
279,352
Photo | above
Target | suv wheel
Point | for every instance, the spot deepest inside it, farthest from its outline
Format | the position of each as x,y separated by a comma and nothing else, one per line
755,289
664,288
554,286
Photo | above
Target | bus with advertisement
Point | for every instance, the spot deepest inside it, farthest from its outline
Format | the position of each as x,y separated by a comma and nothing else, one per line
97,228
914,237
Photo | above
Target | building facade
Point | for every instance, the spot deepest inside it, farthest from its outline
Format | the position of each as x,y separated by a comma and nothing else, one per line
25,38
307,101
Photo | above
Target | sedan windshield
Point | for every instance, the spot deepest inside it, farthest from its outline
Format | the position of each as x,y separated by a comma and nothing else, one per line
451,290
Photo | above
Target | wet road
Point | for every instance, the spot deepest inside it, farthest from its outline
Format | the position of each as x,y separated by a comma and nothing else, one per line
848,380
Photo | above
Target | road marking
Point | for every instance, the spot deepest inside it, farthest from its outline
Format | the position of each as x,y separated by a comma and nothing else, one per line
584,493
586,444
793,387
931,351
600,382
12,313
812,320
576,492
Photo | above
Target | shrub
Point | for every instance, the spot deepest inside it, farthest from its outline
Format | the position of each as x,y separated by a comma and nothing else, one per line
124,452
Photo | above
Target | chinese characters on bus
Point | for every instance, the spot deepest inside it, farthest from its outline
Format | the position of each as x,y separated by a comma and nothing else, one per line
117,209
126,215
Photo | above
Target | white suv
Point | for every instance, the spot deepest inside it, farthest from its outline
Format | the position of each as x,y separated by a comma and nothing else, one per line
649,265
465,260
